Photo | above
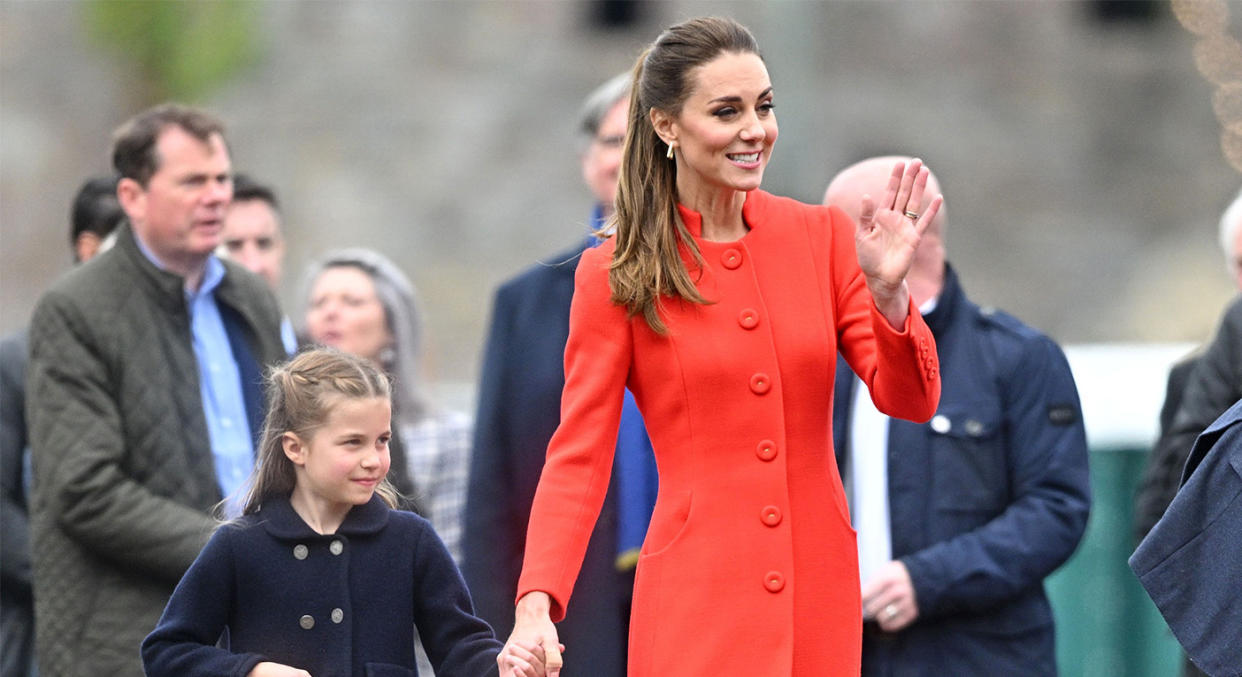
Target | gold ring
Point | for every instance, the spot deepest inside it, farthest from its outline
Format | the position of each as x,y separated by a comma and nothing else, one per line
913,216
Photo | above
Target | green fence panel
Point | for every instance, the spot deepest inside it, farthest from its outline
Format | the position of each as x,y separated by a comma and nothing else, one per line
1107,626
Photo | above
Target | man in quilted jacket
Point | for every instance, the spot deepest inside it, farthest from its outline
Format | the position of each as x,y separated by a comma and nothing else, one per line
143,399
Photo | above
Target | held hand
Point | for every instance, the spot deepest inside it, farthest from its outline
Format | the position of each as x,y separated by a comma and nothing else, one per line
533,649
522,659
268,669
887,235
888,597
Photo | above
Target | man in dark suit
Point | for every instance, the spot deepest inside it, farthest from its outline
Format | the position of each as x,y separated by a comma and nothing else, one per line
960,519
1189,562
519,409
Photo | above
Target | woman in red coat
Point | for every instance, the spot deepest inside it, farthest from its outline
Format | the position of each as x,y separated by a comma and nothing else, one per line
722,308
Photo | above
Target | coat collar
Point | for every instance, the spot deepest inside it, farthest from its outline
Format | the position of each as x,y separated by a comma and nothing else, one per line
752,213
167,288
950,299
281,521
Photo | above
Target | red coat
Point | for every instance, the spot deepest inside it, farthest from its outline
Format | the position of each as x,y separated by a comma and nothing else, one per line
750,563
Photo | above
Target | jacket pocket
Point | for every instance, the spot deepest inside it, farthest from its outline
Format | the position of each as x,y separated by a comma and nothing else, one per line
969,465
668,524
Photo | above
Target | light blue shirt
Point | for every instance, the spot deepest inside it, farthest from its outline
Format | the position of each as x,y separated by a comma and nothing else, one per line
220,386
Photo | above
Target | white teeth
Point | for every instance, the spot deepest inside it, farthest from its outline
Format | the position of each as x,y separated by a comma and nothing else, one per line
745,157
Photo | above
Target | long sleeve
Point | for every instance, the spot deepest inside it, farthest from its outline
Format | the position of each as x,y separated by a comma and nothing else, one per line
1214,384
579,461
458,643
901,369
1046,451
79,455
183,644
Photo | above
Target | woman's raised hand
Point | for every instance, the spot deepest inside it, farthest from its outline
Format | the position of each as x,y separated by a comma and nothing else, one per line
887,235
524,654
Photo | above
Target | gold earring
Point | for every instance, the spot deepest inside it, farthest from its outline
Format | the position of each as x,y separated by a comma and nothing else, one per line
669,154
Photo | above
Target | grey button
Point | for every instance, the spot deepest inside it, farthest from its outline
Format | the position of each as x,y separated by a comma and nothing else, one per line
336,547
940,423
973,428
300,551
306,622
337,615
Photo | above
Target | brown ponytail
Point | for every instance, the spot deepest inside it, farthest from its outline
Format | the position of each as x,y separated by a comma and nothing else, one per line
647,263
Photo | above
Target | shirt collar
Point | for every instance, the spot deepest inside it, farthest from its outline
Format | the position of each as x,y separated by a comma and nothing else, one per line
213,273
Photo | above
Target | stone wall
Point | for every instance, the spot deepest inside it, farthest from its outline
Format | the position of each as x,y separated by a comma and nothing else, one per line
1080,159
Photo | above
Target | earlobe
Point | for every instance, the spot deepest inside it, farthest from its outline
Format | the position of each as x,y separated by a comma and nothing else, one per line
293,448
662,123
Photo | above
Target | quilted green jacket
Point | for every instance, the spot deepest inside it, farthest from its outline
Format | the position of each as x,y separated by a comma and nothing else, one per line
123,473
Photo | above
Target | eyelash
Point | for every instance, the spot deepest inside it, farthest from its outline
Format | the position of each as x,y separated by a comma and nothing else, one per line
765,107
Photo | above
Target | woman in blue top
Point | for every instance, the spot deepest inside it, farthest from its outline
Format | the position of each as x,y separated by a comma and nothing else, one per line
320,576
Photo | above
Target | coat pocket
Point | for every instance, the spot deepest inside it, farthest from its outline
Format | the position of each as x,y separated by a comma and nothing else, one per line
969,464
668,523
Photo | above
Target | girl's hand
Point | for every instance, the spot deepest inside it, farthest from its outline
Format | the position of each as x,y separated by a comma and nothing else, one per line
522,659
269,669
524,654
887,235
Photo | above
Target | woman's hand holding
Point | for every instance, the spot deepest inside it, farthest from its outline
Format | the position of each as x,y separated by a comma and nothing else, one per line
887,235
525,654
269,669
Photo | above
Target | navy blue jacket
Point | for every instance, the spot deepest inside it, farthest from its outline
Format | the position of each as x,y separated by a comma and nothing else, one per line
519,409
1189,563
335,605
985,500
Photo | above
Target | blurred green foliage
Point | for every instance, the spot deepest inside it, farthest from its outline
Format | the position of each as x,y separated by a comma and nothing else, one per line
182,49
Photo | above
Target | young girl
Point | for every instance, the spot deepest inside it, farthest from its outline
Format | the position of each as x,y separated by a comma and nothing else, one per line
320,576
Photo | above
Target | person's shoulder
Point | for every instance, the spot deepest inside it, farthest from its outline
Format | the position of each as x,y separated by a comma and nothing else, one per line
596,263
90,280
1014,340
408,526
542,272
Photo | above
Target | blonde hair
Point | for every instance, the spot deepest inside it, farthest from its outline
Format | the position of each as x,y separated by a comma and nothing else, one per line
300,395
647,262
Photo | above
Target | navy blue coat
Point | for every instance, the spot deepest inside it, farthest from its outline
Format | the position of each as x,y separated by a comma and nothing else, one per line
335,605
1191,561
519,409
985,500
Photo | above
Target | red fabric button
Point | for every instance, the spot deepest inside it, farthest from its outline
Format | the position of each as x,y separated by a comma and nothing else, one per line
770,515
731,259
748,318
766,451
774,581
760,383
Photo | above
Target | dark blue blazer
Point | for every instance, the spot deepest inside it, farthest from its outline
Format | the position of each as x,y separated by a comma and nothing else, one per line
985,500
337,605
1191,561
519,409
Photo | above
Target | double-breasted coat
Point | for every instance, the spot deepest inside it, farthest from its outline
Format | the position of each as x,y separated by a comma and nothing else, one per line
336,605
749,565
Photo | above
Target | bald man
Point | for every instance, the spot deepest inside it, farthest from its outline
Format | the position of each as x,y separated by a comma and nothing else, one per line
960,519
